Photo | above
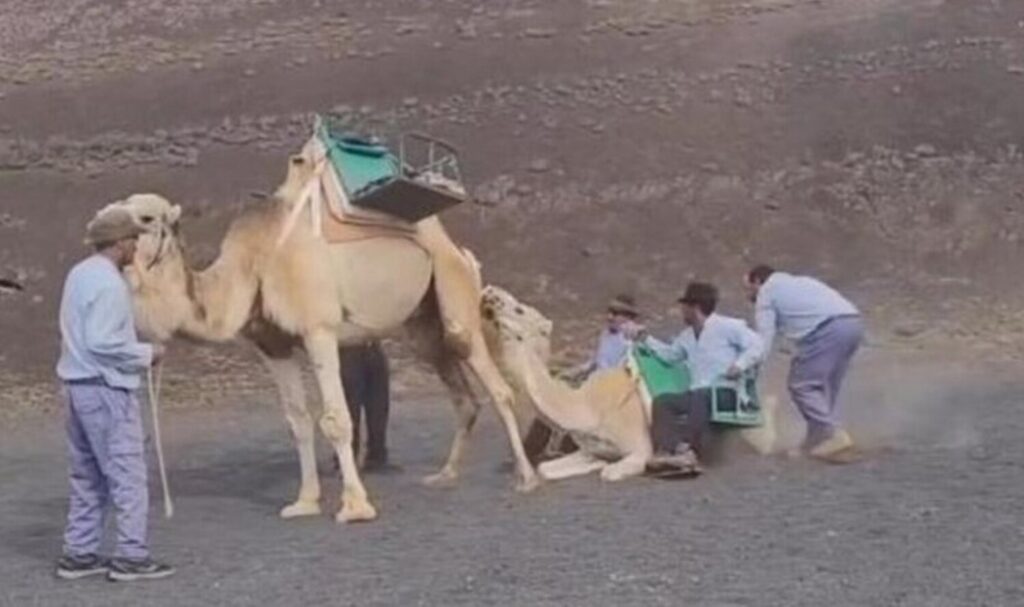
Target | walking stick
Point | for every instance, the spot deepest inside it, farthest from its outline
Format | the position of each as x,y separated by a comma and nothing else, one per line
153,379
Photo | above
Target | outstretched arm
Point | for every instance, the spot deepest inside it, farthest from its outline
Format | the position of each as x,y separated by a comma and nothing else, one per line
765,320
748,344
669,352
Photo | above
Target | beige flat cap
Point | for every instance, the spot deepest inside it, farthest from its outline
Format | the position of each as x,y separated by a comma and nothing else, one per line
112,225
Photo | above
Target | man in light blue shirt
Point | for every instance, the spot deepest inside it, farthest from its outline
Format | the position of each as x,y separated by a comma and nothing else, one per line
716,348
100,364
827,330
613,344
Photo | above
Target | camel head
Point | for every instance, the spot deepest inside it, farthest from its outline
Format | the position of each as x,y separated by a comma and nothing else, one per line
302,167
158,277
513,329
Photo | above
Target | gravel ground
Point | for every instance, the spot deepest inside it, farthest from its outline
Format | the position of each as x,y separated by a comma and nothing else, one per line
615,145
930,518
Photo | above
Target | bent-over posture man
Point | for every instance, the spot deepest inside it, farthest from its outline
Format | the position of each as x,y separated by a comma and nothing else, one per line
715,347
827,330
100,364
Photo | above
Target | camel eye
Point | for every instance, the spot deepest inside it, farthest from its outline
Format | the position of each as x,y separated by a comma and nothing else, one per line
298,160
489,314
147,219
519,311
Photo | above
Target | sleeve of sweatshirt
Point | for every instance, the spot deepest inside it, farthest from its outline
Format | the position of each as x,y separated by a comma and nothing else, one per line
673,352
110,335
748,343
765,319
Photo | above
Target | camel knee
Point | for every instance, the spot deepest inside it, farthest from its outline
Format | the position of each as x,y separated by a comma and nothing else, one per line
336,428
468,414
504,399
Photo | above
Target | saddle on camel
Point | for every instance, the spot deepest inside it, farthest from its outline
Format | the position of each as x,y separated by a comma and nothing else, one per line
363,190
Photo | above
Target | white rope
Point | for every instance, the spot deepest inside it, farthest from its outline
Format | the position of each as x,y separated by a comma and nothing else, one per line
153,379
308,195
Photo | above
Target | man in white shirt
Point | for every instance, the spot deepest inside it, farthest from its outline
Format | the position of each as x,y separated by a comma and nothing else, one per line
715,348
827,330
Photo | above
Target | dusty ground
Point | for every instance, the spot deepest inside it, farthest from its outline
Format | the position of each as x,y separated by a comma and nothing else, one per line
617,145
930,519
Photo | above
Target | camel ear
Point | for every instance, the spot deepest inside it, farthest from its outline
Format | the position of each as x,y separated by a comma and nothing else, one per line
174,214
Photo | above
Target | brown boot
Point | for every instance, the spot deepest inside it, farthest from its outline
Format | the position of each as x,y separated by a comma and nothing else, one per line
836,449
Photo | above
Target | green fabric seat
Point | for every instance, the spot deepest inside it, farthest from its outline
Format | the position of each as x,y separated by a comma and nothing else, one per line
359,163
661,377
377,179
748,405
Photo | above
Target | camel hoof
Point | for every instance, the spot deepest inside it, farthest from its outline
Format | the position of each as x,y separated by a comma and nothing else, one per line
356,513
528,484
443,479
612,474
301,508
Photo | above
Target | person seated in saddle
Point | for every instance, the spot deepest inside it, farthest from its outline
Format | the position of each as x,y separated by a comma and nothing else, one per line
613,346
715,347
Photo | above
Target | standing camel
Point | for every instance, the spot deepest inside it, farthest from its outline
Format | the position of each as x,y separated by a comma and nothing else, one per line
284,287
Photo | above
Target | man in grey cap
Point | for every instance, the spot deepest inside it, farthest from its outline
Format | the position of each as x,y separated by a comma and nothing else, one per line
828,330
100,365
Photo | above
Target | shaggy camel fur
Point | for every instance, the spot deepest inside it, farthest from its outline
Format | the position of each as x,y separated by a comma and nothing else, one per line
310,295
607,416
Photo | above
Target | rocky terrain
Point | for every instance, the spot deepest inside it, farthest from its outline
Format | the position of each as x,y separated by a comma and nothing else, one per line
610,145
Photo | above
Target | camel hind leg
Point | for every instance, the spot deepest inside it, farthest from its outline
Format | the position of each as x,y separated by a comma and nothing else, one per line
467,410
483,367
427,336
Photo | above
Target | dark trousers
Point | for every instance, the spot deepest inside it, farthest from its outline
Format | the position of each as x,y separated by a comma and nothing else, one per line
686,418
365,377
537,443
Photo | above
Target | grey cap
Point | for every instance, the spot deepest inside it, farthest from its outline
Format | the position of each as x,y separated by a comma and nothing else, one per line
110,226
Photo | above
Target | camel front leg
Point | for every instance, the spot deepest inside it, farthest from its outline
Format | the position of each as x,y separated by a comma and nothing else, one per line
577,463
501,395
287,376
467,408
632,465
336,425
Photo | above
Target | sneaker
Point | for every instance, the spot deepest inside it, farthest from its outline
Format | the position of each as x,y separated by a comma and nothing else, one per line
77,567
128,570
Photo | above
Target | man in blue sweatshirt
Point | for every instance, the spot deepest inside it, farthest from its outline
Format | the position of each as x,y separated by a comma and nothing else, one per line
100,366
827,330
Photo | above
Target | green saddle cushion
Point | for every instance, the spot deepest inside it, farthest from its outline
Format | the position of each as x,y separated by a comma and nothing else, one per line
659,376
359,163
